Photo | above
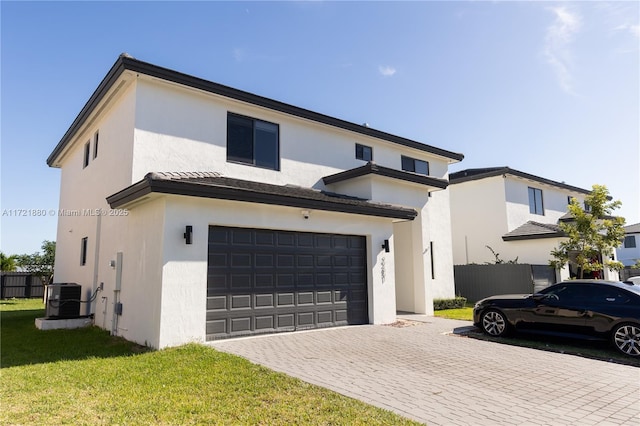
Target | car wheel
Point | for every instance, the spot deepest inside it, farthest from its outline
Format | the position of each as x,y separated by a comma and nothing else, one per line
494,323
626,338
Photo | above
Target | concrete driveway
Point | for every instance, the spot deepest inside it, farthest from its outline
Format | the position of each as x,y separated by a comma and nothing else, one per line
423,372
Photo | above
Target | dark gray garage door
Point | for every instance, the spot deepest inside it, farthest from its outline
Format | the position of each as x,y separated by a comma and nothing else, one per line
262,281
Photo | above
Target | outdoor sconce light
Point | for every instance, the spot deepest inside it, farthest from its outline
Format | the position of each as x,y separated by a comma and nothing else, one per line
188,235
385,246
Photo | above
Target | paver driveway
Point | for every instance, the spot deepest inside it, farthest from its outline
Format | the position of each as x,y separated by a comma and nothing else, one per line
425,374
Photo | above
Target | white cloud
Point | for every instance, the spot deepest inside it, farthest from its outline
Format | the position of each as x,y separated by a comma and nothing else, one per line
386,71
559,37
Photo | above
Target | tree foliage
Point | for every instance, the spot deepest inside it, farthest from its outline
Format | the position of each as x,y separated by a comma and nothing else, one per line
8,263
38,264
592,234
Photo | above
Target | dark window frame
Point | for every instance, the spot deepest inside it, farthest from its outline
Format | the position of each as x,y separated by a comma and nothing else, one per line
84,245
627,240
250,159
536,204
96,138
87,154
410,164
361,152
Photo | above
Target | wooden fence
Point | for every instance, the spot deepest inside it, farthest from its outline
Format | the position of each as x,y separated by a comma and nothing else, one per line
21,285
479,281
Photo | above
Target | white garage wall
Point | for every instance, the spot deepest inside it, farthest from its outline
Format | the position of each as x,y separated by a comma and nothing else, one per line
184,269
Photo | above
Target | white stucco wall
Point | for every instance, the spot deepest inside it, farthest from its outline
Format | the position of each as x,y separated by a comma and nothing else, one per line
555,202
179,129
83,191
484,210
184,269
478,217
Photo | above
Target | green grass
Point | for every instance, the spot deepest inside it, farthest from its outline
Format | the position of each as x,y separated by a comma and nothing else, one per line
85,376
465,313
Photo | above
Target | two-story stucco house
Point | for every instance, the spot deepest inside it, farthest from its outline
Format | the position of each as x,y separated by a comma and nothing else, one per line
514,213
204,212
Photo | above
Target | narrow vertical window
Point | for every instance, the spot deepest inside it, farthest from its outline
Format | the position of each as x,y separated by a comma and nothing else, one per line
433,271
96,137
536,206
87,150
83,251
364,152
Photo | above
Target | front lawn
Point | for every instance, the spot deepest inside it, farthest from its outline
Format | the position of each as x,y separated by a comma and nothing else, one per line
85,376
465,313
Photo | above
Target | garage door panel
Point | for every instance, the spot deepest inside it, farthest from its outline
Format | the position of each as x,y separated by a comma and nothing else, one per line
325,317
305,298
264,300
265,322
285,299
240,237
286,261
265,260
240,301
266,281
240,282
217,303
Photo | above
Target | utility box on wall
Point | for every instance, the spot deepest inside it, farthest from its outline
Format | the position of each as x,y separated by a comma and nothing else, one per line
63,300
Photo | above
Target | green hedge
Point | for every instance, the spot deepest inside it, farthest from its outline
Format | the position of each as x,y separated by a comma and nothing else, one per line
440,304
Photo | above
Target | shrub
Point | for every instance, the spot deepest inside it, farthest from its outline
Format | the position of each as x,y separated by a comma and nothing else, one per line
456,303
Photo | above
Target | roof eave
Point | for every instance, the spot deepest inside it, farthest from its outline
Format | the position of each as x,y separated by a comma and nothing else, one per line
150,185
125,62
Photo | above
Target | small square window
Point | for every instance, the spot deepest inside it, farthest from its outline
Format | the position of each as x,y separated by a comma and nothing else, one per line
414,165
87,150
630,241
364,152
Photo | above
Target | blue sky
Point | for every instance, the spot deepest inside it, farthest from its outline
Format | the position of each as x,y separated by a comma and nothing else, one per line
548,88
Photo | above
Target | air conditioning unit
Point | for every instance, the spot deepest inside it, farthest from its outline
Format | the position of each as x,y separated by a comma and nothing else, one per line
63,300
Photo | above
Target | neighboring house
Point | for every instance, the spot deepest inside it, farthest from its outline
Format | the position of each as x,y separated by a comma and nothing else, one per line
514,213
629,252
206,212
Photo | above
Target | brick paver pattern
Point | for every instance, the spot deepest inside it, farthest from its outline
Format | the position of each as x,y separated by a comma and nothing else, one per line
427,374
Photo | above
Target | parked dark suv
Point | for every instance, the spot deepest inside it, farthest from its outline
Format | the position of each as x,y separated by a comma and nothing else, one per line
581,308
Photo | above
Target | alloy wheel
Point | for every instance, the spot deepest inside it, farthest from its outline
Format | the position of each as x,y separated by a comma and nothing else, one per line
627,339
494,323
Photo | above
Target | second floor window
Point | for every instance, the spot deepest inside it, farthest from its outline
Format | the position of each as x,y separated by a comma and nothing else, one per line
96,137
364,152
536,205
87,150
414,165
254,142
630,241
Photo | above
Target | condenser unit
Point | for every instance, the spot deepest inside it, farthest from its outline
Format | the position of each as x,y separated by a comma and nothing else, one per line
63,300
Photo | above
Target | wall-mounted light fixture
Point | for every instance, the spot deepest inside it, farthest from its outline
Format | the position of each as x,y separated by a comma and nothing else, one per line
188,234
305,214
385,246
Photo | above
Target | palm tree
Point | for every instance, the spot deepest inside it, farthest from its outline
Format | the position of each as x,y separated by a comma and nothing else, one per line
8,263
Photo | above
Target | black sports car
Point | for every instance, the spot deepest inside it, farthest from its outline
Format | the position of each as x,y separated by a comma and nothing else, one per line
581,308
